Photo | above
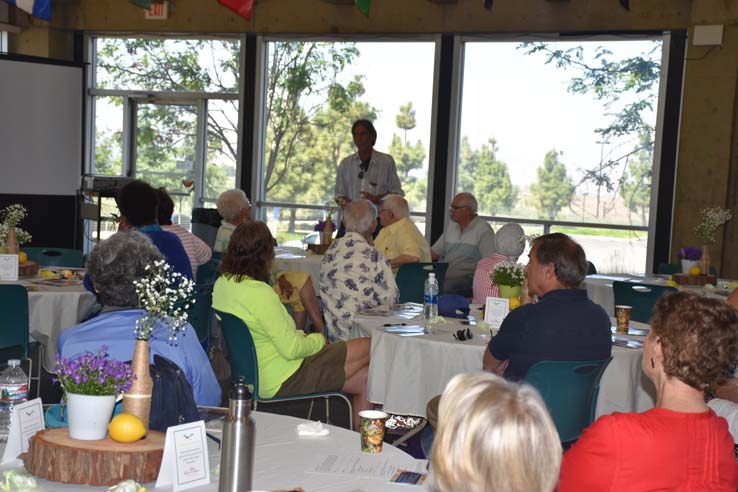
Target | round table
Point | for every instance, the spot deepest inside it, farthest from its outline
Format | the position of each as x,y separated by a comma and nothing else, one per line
285,461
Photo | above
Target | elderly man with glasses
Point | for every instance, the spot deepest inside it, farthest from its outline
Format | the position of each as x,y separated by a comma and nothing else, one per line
400,240
466,240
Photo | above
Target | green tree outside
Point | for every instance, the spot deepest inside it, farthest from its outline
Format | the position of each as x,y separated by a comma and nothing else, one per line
554,189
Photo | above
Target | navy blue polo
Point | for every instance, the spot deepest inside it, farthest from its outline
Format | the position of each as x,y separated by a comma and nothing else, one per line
563,325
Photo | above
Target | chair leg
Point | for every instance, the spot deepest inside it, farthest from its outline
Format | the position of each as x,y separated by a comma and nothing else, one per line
327,401
310,409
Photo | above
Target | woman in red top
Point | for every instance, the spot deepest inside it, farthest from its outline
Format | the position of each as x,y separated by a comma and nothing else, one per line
681,445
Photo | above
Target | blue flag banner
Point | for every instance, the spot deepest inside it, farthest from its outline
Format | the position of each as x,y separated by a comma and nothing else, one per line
37,8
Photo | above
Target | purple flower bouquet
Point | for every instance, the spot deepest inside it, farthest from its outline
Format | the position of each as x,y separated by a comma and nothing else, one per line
692,253
93,374
320,226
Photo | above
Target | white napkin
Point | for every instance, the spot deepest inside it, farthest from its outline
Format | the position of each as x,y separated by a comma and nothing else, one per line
312,429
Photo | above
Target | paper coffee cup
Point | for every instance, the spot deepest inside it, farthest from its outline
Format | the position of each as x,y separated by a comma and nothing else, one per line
371,429
623,314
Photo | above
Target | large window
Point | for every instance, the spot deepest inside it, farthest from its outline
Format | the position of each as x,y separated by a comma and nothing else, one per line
166,110
559,136
313,93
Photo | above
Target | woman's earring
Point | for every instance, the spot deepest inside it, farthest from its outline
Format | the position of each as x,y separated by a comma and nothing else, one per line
653,364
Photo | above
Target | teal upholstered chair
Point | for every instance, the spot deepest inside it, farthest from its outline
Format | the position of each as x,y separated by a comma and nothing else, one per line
61,257
570,390
641,296
411,279
208,273
244,363
14,316
199,313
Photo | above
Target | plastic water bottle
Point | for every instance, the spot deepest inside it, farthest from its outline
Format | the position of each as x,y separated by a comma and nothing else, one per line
13,391
430,297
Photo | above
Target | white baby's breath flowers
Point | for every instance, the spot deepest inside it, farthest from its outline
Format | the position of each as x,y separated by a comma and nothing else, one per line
711,219
508,273
13,214
22,236
166,296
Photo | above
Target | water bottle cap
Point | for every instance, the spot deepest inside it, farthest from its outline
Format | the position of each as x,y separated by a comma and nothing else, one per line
240,391
431,275
14,362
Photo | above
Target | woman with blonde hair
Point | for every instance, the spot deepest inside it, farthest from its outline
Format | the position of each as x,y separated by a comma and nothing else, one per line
493,436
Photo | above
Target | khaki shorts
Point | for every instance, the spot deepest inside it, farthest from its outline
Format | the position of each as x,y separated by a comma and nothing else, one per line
297,281
323,371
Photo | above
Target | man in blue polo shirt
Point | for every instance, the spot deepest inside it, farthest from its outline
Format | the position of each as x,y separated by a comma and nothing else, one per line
563,325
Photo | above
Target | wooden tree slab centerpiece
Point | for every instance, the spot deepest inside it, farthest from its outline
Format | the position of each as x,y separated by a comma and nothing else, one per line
53,455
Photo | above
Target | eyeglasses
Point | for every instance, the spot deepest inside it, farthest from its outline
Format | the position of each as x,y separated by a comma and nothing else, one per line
463,335
456,207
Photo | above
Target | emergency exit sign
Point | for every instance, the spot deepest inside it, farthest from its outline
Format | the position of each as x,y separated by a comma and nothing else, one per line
158,11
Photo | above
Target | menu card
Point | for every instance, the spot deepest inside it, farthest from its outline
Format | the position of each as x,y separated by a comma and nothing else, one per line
185,462
495,310
8,267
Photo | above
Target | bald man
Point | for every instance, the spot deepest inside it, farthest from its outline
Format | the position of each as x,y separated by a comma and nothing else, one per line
400,240
467,240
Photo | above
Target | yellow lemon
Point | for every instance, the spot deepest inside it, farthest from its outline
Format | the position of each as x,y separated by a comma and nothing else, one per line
126,428
22,257
514,302
695,270
671,283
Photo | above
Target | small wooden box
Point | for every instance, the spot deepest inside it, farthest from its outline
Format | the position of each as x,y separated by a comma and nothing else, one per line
28,269
687,279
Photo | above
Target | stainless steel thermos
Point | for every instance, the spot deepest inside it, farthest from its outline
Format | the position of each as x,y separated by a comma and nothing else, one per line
237,452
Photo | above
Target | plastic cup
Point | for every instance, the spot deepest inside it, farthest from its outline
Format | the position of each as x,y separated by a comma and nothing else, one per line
623,313
371,429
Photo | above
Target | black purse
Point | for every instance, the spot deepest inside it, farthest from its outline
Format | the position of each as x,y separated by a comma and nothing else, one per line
172,400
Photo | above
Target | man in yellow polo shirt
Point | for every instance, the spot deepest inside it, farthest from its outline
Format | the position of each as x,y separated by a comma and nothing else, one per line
400,240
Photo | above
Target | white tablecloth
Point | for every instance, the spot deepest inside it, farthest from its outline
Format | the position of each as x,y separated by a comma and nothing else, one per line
599,288
282,460
406,372
293,260
53,309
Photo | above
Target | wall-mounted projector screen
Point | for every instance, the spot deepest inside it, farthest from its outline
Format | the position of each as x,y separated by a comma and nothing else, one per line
41,129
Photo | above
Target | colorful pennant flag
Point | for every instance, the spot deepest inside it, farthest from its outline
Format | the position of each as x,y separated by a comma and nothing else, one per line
364,6
37,8
241,7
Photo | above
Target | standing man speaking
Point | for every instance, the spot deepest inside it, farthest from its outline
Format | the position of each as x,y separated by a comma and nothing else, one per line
368,173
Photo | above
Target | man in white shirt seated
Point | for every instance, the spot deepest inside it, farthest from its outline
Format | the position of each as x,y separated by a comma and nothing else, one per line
467,240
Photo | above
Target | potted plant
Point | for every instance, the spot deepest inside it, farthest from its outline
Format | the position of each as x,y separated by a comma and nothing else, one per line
10,234
710,219
91,384
689,257
508,276
164,296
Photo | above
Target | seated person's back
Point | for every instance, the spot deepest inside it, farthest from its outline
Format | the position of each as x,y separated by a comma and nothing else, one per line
113,266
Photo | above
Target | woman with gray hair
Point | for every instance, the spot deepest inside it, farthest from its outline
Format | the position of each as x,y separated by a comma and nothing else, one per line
493,435
113,266
354,276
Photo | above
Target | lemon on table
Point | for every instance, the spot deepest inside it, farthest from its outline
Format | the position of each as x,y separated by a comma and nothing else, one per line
695,270
514,302
22,257
126,427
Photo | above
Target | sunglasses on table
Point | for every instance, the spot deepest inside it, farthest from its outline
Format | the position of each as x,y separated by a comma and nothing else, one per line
463,335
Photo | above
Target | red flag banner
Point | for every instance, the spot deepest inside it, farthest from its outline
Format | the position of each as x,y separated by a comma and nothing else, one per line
241,7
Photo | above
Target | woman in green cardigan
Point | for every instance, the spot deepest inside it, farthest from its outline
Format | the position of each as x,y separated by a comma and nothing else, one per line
290,362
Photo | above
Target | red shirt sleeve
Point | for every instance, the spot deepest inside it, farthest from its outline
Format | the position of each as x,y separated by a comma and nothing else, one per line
591,463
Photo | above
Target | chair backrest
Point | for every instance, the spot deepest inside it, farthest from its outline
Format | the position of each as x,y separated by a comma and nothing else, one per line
641,296
591,268
208,272
241,349
672,268
570,390
14,322
411,279
66,257
199,313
